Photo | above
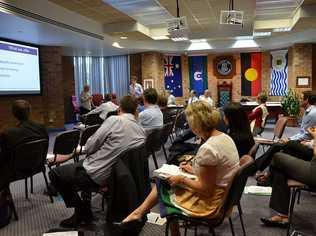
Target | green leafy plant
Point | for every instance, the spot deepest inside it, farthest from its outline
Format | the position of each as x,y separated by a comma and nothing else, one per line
291,103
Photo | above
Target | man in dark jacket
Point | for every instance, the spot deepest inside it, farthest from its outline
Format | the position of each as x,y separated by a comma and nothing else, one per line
24,131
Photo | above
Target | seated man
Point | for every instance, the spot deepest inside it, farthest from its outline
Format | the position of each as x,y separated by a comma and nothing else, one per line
151,117
293,145
171,100
207,97
286,167
105,107
116,135
24,131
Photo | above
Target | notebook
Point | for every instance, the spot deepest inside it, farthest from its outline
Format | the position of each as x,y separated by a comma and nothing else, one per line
170,170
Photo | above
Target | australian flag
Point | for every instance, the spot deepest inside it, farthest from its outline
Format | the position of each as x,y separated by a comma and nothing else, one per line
173,75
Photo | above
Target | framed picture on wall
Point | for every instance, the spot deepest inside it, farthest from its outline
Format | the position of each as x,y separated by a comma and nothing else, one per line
303,81
148,83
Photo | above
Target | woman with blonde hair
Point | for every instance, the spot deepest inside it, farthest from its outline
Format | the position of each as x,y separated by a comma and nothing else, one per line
214,165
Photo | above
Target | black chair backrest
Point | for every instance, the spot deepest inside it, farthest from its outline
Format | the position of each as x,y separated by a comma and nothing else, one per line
153,140
93,119
87,133
181,121
165,132
239,182
136,161
29,158
112,113
66,142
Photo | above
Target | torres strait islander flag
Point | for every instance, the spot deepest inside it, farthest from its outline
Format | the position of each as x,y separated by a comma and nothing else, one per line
173,75
198,73
251,68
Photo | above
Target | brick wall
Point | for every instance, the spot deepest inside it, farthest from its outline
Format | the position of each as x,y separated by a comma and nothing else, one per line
152,68
301,59
48,108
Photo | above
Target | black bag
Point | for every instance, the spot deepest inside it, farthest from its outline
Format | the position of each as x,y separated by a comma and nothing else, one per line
5,207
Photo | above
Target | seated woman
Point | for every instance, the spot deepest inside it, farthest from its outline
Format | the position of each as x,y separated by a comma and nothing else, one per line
214,165
238,127
258,116
286,167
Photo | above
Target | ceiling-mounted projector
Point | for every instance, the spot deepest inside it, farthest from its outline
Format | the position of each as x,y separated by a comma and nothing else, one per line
231,17
178,23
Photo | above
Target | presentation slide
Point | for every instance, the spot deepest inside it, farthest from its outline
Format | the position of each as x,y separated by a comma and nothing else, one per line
19,69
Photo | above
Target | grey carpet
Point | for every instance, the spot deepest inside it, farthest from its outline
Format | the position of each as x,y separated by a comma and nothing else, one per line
37,215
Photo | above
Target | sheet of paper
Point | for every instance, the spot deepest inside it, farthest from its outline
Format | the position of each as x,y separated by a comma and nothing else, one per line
154,218
67,233
258,190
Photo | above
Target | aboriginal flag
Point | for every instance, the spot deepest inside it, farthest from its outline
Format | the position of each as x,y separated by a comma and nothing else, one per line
251,69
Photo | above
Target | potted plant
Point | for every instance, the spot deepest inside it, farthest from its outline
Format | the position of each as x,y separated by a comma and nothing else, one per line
291,107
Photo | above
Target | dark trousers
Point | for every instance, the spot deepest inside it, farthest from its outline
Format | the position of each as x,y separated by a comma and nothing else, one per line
293,148
68,180
286,167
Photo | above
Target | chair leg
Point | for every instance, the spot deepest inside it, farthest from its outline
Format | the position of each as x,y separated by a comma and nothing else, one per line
32,184
167,228
46,182
154,158
241,219
212,231
26,189
292,203
13,206
299,197
164,151
103,200
231,226
195,230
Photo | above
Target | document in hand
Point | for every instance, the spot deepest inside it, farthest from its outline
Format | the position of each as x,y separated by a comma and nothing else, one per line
170,170
67,233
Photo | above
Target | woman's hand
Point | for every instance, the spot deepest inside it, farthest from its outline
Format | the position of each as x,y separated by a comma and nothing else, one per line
184,166
175,180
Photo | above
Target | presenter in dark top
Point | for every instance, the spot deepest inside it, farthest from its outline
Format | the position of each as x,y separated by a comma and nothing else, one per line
24,131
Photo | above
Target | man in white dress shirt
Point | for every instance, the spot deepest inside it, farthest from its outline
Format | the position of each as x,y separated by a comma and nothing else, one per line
105,107
207,97
135,89
193,98
171,98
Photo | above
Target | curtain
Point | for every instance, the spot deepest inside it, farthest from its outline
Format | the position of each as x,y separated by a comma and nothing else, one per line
103,74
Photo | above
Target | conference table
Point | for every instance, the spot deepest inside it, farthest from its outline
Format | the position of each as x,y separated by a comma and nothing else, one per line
274,108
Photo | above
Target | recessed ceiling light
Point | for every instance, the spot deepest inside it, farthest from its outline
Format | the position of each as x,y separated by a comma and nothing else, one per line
249,43
117,45
161,37
201,45
261,34
123,37
178,39
198,40
284,29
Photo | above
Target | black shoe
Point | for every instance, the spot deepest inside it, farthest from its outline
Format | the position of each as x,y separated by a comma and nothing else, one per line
132,228
76,220
272,223
138,223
